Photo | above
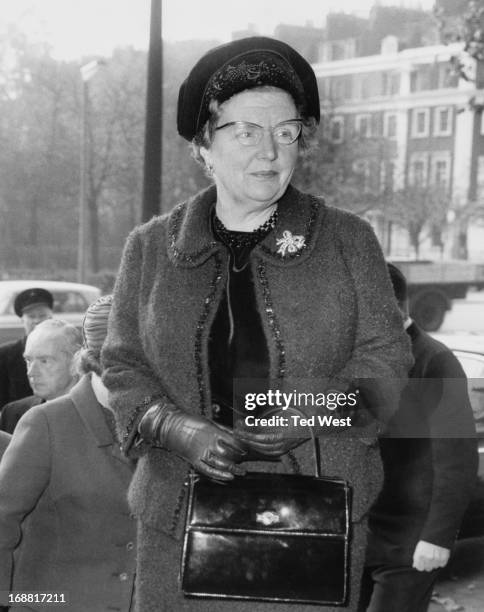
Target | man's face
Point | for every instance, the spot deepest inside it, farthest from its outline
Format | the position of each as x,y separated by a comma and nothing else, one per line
49,365
34,315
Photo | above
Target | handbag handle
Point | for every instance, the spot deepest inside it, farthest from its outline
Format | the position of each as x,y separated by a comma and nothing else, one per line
314,439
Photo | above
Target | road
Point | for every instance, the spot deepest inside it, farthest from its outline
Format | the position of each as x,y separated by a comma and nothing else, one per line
461,587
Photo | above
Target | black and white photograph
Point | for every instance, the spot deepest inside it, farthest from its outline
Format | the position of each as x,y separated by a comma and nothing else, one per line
242,305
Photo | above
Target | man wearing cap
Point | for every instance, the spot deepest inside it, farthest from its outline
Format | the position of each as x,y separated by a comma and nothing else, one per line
32,306
49,357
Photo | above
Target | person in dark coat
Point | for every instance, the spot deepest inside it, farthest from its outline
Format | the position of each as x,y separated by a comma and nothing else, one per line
430,462
49,358
248,279
65,525
33,306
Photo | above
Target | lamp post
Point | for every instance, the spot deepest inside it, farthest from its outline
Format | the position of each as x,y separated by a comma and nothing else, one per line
87,72
153,122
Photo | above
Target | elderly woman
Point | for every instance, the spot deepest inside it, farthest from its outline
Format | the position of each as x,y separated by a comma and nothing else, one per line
249,279
65,525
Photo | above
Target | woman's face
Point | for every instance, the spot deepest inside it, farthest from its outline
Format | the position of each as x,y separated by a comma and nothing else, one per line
253,176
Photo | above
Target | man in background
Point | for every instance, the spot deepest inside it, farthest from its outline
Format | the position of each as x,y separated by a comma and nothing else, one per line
33,306
49,358
429,458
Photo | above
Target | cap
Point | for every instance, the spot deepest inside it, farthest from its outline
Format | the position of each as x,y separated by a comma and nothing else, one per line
32,297
239,65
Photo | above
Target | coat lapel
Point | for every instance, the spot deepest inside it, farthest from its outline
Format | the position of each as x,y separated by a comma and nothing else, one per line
191,240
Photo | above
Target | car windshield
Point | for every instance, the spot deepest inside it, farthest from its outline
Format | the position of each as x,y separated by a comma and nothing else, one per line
6,303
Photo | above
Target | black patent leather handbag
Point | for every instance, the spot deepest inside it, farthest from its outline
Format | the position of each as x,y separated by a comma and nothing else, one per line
268,537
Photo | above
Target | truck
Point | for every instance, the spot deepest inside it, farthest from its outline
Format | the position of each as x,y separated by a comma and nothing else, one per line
433,285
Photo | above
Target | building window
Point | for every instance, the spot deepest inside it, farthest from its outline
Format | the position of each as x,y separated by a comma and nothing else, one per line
420,123
363,126
337,88
447,76
336,129
443,121
387,177
418,170
361,168
394,84
390,125
440,175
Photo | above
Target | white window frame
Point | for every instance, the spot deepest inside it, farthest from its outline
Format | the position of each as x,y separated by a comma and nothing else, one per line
384,165
359,120
440,156
386,122
340,120
437,130
415,113
419,156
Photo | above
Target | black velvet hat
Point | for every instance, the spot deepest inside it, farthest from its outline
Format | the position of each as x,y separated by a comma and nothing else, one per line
239,65
32,297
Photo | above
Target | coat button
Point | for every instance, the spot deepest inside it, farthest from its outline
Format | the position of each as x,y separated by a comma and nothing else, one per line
130,546
123,577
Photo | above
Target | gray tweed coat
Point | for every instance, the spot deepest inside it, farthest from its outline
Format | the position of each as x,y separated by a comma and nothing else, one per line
327,311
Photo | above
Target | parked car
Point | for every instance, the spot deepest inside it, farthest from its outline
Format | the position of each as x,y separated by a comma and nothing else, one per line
469,350
70,303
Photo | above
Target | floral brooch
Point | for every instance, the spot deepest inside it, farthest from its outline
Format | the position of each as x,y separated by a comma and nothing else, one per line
289,243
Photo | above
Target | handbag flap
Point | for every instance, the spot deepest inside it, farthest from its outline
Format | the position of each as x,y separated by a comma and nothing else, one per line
288,503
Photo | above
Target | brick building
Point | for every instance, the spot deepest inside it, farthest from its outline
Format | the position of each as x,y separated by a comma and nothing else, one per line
430,119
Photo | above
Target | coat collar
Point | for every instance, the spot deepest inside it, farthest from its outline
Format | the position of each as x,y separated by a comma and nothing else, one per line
191,240
414,331
90,411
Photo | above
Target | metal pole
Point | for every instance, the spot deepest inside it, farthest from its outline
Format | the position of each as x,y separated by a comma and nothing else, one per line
153,122
81,246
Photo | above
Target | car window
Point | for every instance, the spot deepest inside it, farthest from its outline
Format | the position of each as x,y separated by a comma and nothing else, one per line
6,304
69,301
473,364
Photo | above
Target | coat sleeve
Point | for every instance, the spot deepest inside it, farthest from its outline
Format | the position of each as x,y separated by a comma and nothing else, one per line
127,374
453,448
24,476
381,355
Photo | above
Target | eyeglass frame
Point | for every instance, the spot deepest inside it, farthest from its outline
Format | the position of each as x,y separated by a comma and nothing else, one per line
262,128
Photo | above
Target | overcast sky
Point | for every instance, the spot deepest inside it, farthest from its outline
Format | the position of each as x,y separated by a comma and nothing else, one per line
82,27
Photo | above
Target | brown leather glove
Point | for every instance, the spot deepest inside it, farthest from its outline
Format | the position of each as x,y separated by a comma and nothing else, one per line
211,449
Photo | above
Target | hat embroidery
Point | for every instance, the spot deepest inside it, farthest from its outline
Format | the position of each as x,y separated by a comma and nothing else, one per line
235,77
290,243
248,71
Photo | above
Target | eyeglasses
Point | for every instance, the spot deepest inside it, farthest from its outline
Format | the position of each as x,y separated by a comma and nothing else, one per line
250,134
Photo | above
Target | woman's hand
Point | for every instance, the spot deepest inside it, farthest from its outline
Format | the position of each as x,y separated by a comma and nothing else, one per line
268,444
212,450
